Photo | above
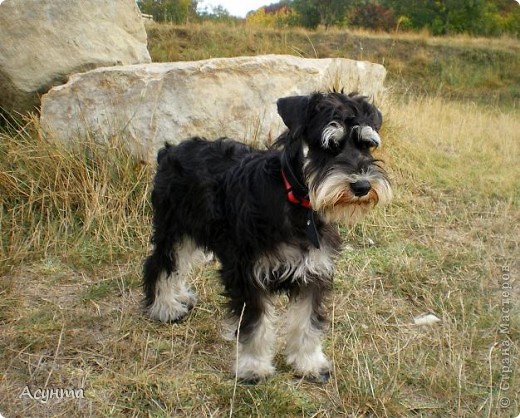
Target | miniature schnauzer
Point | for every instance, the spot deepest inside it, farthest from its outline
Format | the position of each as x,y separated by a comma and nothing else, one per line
270,218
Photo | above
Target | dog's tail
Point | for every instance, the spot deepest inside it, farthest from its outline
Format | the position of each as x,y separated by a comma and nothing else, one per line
163,152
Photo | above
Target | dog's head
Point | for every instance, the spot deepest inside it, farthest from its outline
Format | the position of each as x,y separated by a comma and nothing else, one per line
331,137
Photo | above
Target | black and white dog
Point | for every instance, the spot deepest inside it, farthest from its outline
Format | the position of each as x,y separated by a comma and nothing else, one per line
269,217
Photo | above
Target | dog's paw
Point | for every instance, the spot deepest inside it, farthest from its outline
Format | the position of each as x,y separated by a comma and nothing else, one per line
181,315
171,311
323,376
251,370
252,380
312,367
189,300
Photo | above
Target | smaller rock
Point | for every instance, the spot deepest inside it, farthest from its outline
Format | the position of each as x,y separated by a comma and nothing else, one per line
149,104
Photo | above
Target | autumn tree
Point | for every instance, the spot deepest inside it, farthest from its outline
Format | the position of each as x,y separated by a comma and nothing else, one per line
372,16
276,15
315,12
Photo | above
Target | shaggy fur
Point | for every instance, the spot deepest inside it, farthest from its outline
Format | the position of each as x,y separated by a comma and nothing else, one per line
270,218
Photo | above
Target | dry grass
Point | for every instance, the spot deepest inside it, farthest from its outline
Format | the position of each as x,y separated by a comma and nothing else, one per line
64,200
75,226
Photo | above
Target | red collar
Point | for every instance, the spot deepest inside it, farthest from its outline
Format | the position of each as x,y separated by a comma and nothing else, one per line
292,198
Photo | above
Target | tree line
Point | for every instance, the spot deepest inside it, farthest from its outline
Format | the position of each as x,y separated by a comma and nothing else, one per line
439,17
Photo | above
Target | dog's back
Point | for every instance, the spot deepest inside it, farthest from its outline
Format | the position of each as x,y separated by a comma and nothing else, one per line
198,155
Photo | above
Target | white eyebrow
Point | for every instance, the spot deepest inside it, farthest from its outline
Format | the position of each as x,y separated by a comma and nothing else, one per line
334,131
367,134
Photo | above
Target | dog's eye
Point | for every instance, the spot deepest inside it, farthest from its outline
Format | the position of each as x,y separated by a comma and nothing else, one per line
332,134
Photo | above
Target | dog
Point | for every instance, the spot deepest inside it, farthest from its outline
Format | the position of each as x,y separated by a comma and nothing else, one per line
270,217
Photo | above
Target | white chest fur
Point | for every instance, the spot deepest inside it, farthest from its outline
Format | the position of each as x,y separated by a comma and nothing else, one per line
289,262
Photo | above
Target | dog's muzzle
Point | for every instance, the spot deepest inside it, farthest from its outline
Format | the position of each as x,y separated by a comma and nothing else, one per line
342,197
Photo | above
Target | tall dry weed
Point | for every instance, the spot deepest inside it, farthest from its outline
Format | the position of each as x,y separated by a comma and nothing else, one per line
87,199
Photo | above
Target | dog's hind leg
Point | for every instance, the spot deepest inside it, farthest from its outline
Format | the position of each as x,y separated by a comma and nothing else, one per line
168,297
304,328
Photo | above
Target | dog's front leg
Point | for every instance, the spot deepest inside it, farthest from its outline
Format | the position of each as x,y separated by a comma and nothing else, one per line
256,334
304,329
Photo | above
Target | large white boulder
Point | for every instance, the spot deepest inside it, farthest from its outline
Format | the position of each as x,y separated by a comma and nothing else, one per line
146,105
43,41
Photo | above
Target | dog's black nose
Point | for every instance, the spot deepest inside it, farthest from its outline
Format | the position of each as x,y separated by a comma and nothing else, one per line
360,188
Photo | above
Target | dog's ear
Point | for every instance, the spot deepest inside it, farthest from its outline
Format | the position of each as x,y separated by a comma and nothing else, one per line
293,110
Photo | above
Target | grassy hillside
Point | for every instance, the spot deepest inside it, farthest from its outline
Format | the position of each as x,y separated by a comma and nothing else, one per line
75,227
478,69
